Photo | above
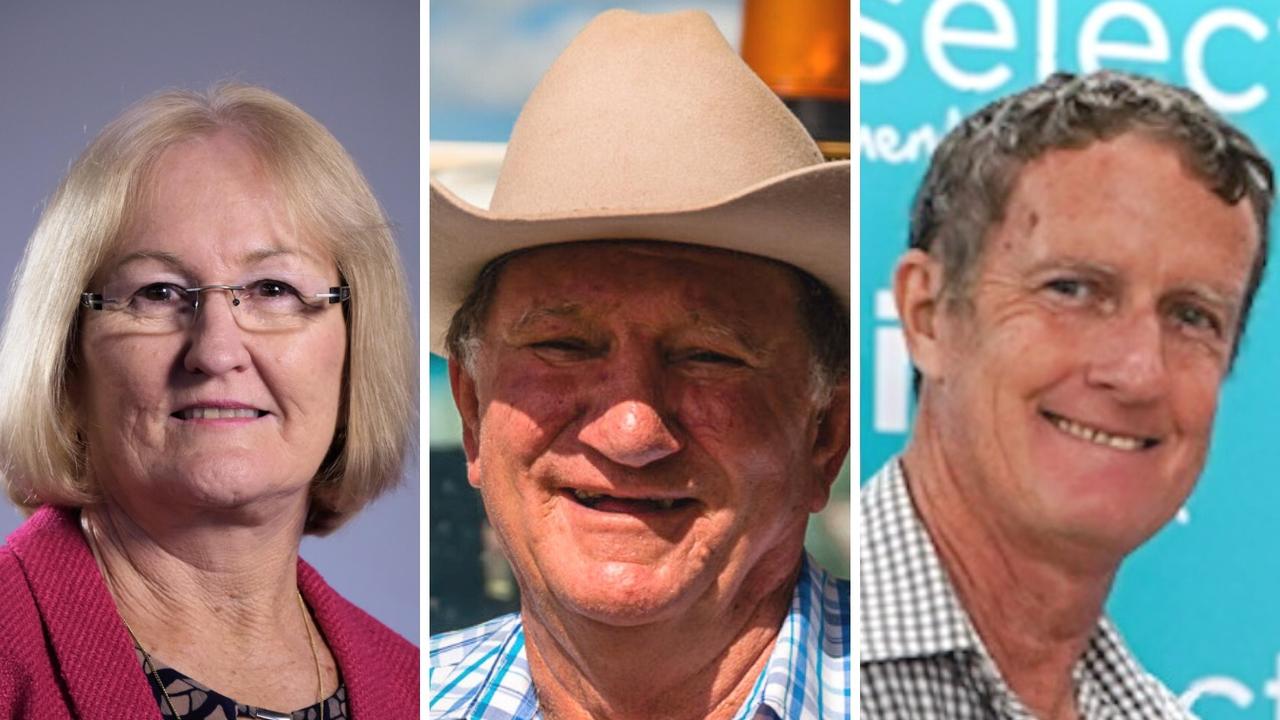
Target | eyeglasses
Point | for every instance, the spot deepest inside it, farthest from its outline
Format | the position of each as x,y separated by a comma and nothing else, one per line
261,305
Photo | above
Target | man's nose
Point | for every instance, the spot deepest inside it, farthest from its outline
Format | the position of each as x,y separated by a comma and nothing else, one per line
629,422
1129,357
217,342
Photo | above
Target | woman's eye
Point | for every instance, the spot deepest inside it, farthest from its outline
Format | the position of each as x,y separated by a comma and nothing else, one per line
159,293
277,296
274,288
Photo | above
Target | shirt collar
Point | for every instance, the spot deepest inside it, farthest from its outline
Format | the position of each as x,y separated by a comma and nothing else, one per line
794,674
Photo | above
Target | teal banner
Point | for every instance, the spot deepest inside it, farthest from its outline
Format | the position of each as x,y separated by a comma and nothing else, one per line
1200,602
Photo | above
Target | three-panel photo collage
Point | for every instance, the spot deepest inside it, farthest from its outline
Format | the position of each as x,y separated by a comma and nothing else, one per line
492,360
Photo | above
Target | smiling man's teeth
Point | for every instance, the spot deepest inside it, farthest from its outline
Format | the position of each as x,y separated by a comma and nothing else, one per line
1098,437
218,413
590,498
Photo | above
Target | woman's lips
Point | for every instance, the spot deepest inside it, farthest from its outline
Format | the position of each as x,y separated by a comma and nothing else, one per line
216,413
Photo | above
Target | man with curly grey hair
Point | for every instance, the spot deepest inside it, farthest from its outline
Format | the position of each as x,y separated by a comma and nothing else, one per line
1082,260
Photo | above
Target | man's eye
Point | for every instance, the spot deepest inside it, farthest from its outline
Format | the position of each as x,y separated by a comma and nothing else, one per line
563,345
1196,318
712,358
1070,288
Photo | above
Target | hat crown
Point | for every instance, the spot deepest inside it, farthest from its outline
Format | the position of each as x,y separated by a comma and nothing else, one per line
644,113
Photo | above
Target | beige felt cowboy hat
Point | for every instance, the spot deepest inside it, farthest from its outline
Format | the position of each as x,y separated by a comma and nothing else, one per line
649,127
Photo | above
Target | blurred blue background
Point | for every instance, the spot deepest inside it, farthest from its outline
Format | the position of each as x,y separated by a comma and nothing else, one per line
1198,602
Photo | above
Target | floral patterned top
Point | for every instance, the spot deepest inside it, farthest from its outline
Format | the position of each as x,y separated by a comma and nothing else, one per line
194,701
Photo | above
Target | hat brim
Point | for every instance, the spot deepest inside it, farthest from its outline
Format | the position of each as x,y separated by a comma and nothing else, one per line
800,218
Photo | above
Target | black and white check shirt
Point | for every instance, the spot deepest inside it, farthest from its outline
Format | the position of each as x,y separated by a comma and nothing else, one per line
921,657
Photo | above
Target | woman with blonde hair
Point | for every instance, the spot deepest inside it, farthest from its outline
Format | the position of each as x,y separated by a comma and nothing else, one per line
207,355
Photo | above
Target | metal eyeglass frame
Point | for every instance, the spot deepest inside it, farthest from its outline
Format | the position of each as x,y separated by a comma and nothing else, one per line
338,294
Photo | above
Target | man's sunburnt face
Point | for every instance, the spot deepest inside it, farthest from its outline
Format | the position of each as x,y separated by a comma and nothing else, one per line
1075,392
646,437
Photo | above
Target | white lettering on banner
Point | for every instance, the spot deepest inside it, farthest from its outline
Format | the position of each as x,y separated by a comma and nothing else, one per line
937,36
1231,690
1193,59
1046,38
895,52
1222,687
1272,687
1093,49
1217,686
885,143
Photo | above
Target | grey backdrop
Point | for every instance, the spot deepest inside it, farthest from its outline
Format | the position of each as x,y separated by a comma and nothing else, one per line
68,66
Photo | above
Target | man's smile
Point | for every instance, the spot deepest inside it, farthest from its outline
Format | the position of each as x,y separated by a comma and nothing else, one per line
635,505
1088,433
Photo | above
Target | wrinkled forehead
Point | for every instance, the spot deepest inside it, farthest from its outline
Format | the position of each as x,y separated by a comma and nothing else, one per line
210,203
646,279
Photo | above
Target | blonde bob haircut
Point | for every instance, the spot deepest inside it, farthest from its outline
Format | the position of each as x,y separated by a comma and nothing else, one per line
43,457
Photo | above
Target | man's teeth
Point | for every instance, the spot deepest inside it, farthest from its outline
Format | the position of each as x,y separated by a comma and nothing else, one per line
590,497
218,413
1098,437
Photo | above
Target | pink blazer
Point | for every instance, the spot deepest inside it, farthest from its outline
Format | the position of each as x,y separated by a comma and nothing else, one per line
64,652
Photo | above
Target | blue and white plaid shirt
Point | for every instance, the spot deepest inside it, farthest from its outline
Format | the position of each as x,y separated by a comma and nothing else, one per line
482,673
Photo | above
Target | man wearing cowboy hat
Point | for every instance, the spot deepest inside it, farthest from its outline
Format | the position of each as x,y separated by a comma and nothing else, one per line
647,335
1082,259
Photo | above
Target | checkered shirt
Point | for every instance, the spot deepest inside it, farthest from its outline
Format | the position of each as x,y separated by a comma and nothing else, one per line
920,655
482,673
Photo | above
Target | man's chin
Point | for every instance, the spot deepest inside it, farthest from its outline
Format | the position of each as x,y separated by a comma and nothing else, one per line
627,594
